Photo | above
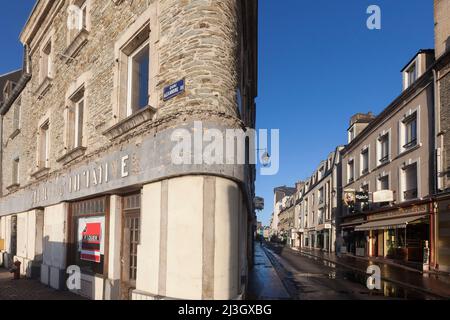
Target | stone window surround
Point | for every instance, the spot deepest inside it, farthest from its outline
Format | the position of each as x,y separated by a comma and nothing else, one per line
364,150
45,81
383,175
149,19
42,171
401,176
401,138
68,155
77,42
15,180
417,62
383,134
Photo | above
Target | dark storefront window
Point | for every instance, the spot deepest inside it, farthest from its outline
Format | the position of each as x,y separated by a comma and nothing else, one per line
88,231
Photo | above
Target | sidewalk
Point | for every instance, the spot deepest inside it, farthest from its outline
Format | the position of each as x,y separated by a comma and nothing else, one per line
435,284
264,282
26,289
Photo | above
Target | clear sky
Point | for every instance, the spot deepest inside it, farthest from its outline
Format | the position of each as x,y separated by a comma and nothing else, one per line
319,64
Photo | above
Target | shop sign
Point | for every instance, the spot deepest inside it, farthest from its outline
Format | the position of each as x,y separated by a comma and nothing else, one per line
383,196
416,209
349,197
259,203
91,238
173,90
361,197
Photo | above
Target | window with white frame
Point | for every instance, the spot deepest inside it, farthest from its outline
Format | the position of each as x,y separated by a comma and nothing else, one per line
321,195
351,170
365,161
409,131
44,145
75,120
351,134
320,215
383,148
409,176
383,183
411,75
135,65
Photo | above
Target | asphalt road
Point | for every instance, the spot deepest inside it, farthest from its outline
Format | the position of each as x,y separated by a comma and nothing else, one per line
308,278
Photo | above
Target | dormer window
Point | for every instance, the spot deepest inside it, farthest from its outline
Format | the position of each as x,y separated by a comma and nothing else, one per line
411,75
351,134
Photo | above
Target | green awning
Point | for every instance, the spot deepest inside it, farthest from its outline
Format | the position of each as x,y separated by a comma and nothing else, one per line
399,223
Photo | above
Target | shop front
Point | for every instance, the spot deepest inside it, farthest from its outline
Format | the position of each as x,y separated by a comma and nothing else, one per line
443,233
353,242
323,235
398,235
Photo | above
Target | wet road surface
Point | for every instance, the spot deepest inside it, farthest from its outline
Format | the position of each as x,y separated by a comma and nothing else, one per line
309,278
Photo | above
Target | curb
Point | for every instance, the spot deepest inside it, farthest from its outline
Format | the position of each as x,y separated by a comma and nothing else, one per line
277,267
406,285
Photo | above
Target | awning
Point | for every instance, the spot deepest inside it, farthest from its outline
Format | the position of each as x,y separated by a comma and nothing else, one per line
353,223
399,223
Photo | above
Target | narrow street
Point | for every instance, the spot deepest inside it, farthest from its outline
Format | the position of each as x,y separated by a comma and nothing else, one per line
27,289
309,278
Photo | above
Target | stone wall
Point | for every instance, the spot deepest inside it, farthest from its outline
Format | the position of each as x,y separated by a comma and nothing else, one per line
198,41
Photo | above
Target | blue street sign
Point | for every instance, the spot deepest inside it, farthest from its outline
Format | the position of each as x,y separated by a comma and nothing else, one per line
173,90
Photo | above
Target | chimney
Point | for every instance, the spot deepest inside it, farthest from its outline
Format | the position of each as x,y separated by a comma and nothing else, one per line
358,123
441,27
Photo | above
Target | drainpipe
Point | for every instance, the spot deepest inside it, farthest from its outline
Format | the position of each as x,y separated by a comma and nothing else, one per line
436,176
1,156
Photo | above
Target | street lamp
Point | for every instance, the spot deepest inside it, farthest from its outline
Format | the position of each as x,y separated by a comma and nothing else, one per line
265,157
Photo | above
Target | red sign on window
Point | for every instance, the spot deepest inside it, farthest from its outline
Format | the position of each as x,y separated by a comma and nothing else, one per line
91,242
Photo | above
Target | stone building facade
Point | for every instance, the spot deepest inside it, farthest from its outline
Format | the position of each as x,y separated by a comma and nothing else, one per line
442,130
95,184
388,172
319,204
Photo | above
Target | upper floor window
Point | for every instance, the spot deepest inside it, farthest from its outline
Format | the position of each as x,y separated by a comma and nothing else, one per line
410,131
15,171
16,114
365,161
383,147
78,18
351,135
44,145
409,182
75,121
46,61
137,59
411,75
351,170
383,183
321,196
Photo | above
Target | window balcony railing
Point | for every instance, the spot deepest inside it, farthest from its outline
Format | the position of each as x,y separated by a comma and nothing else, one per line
410,144
365,171
410,194
384,159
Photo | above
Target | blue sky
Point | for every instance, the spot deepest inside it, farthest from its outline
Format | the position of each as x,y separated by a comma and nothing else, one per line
319,64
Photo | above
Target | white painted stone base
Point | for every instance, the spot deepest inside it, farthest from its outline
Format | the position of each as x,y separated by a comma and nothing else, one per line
53,277
92,287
